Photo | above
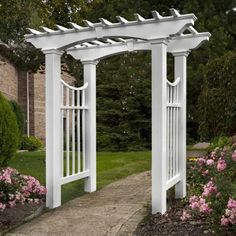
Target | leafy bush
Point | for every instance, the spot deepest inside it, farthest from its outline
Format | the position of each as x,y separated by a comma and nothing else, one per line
9,134
220,142
16,188
31,143
212,194
217,101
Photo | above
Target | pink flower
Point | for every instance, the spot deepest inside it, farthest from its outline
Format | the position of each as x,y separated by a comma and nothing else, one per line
209,188
234,155
231,204
213,155
204,208
12,203
224,221
210,162
194,202
194,205
221,165
2,206
185,216
199,203
194,198
201,161
205,172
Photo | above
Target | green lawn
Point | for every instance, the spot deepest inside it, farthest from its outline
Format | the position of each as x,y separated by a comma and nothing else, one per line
111,166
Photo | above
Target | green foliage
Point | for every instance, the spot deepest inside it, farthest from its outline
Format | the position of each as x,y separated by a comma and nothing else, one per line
19,116
212,17
9,133
124,103
31,143
16,15
220,142
217,102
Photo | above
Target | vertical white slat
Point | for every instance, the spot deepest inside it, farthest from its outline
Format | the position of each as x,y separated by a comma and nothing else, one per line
67,133
171,142
73,130
83,131
177,131
78,132
62,131
173,123
167,135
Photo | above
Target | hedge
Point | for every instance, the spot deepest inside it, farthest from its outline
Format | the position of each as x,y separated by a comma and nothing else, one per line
9,132
217,101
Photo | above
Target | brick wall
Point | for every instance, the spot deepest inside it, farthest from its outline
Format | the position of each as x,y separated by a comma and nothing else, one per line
8,79
39,101
13,85
22,95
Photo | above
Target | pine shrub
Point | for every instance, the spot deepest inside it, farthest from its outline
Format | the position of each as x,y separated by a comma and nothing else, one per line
217,101
19,117
9,132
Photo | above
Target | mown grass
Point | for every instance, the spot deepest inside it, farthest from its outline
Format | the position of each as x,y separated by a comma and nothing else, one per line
111,166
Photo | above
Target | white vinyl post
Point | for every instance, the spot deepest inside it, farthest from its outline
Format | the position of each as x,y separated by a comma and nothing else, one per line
53,132
180,59
90,125
159,88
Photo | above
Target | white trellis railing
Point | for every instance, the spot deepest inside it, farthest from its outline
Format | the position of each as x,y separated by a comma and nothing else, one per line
172,114
73,118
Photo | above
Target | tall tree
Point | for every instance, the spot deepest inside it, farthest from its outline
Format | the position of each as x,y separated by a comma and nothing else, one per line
124,102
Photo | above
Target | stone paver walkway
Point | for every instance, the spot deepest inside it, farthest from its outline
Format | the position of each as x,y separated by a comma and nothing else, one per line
114,210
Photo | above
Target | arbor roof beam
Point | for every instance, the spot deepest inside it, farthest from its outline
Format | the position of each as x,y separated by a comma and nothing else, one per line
181,43
146,29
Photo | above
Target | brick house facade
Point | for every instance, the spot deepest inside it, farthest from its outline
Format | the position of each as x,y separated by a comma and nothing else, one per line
30,95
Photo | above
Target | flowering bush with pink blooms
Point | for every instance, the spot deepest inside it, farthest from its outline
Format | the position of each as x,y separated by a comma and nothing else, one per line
19,189
212,188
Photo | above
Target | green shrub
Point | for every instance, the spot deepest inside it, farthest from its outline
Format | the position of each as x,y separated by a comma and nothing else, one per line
9,133
220,142
217,101
19,116
31,143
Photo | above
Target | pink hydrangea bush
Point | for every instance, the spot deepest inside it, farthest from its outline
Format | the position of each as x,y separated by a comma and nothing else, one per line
19,189
212,188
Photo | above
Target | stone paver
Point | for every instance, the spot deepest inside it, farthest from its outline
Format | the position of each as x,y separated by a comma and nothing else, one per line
114,210
203,145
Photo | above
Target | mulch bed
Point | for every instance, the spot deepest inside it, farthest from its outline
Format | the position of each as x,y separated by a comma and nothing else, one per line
171,224
12,217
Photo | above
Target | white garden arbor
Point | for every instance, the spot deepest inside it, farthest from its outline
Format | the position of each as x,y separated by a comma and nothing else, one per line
71,112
